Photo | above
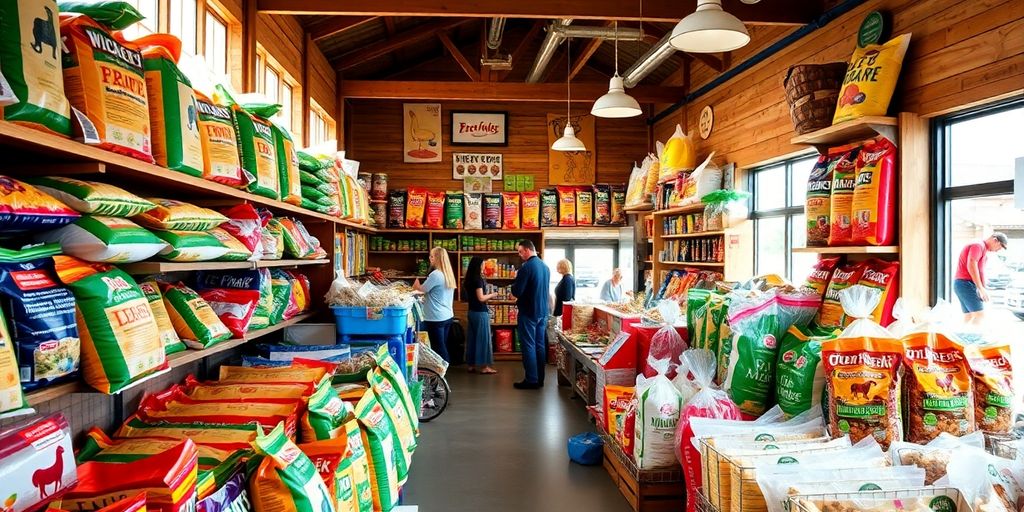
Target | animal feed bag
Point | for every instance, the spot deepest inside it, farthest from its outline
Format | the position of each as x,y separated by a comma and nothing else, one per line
360,465
297,240
335,468
173,407
286,480
874,196
168,478
233,295
168,336
862,382
246,225
115,15
42,315
105,80
272,239
120,337
800,377
871,79
103,239
12,399
173,115
843,163
389,369
237,437
938,390
38,463
232,495
287,166
179,215
93,197
821,274
658,405
219,142
100,447
882,276
261,315
26,208
831,313
405,435
284,302
818,204
325,416
189,246
300,290
237,251
30,59
215,391
303,371
379,439
258,149
196,323
992,372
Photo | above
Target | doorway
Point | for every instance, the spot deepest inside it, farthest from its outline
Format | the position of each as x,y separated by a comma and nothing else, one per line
592,262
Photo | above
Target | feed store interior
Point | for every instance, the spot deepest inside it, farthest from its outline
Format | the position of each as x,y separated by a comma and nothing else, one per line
482,255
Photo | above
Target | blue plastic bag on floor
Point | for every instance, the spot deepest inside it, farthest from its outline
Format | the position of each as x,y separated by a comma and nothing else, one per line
586,449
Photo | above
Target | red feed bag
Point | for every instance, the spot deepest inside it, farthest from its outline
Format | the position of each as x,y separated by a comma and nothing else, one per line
874,204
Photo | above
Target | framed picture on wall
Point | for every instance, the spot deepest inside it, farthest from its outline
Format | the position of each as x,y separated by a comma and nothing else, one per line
479,128
466,165
422,132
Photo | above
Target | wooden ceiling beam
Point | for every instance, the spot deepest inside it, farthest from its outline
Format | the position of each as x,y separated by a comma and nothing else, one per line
715,63
523,45
496,91
587,52
778,12
334,25
413,35
460,59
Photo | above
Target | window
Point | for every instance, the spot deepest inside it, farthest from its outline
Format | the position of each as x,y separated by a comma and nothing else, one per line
779,222
975,155
183,23
272,84
286,101
279,87
321,125
593,262
216,42
150,23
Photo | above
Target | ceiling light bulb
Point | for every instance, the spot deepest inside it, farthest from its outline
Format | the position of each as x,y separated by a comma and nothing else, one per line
709,29
616,103
568,141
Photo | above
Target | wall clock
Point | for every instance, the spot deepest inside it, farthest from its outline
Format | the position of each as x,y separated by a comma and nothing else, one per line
707,122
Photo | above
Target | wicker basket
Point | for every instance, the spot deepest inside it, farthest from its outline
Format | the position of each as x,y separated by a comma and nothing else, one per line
812,91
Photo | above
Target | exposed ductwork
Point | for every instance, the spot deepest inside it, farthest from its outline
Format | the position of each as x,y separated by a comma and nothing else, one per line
495,33
547,50
649,61
591,32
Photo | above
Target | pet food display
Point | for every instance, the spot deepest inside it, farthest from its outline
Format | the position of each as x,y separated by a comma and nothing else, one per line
105,239
818,205
196,323
120,337
882,275
549,207
821,274
584,207
602,205
800,376
863,383
938,388
474,211
492,211
172,106
844,181
530,210
258,151
179,215
831,313
992,375
104,79
219,143
168,336
188,246
658,406
42,315
935,456
92,197
871,79
287,166
25,208
38,463
415,208
435,210
874,196
454,210
566,206
510,203
30,59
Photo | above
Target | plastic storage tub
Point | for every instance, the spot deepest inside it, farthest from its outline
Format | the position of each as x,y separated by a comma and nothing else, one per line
390,321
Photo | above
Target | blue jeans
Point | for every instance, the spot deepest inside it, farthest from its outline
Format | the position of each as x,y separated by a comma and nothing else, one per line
438,334
968,295
533,341
478,340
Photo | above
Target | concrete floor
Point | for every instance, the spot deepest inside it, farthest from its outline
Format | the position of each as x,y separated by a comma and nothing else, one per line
500,449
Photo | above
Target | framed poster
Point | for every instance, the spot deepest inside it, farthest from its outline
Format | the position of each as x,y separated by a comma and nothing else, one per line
572,167
479,128
422,132
466,165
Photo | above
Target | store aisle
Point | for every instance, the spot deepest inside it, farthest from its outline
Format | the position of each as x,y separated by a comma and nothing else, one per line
500,449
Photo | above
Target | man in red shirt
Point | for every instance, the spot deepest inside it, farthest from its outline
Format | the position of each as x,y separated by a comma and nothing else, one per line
969,281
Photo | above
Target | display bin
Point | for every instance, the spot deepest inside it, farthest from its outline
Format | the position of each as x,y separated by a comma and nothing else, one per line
396,347
646,490
941,498
389,321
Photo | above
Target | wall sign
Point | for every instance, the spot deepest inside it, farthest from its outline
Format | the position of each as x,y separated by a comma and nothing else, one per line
476,165
479,128
707,122
873,29
572,167
422,132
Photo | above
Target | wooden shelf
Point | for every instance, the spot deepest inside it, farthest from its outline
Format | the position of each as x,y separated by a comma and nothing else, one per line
489,252
289,263
136,172
680,210
695,235
850,131
399,252
460,231
52,392
691,264
640,209
870,249
157,267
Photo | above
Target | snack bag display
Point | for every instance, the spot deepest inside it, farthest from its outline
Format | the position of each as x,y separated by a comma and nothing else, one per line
530,210
821,274
454,210
618,205
118,109
194,320
287,166
35,77
105,239
285,479
818,205
510,210
992,373
938,391
871,79
92,197
602,205
219,142
566,206
172,106
435,210
549,207
416,205
679,155
844,181
492,211
615,401
258,150
474,211
25,208
179,215
396,209
584,207
874,197
42,314
800,376
168,336
831,313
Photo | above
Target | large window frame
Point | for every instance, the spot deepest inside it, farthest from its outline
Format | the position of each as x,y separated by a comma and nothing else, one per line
287,90
944,192
790,209
322,126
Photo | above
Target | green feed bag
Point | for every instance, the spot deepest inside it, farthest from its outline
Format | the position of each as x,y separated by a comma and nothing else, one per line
188,246
326,415
379,442
30,58
261,317
102,239
360,466
115,15
281,291
168,336
194,320
401,427
259,153
92,197
177,143
308,178
800,377
285,479
287,166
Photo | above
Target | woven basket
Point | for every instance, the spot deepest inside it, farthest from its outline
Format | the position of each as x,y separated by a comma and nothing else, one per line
812,91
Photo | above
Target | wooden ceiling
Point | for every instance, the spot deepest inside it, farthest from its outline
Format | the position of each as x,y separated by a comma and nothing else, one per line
432,40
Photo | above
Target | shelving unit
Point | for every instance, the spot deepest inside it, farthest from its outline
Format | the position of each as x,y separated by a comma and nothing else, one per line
870,249
737,259
157,267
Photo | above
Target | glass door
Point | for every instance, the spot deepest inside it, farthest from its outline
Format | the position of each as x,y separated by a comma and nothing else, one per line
592,261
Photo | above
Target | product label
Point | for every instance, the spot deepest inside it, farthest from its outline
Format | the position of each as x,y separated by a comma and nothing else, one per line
41,56
138,338
191,147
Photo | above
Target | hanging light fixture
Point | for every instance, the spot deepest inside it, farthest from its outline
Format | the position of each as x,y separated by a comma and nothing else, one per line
709,29
616,103
568,142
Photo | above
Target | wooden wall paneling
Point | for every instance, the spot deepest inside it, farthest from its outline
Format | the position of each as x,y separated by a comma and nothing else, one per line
307,63
281,37
249,32
915,212
323,81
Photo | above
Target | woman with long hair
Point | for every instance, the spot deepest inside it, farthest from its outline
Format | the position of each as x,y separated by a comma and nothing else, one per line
438,290
479,352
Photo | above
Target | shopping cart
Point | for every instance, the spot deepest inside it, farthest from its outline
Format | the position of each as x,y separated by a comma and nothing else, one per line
431,370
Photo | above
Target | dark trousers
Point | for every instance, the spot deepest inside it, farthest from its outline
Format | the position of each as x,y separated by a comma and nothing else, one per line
532,340
438,334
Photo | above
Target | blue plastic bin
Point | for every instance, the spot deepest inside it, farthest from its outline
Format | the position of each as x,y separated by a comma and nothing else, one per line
391,321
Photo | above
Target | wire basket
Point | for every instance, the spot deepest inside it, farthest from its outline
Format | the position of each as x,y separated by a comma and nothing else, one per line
703,503
938,498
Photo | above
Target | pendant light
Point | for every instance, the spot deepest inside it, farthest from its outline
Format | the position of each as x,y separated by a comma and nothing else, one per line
709,29
568,142
616,103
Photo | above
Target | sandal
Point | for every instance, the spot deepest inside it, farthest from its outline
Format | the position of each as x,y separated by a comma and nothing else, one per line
488,371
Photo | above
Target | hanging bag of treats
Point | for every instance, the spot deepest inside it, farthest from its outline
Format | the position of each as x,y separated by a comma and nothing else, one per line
679,155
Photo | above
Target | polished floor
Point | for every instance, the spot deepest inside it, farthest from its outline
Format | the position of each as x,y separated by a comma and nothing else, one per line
501,449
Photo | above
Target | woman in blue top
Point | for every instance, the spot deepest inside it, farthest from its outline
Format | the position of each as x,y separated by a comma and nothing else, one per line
438,290
479,352
612,291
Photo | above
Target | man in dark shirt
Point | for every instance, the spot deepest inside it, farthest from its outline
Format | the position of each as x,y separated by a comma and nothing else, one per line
531,291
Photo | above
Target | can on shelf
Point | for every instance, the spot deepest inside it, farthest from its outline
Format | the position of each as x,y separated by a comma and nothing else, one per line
379,187
380,214
364,179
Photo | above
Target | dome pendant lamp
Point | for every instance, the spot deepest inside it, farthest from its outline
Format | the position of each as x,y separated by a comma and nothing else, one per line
568,141
616,103
709,29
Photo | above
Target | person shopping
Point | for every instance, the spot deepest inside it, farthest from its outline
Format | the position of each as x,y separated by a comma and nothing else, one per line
969,281
530,289
438,290
565,291
611,290
479,352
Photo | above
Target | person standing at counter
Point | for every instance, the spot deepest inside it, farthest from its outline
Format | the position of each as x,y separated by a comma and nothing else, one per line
438,290
565,291
530,289
611,290
479,352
